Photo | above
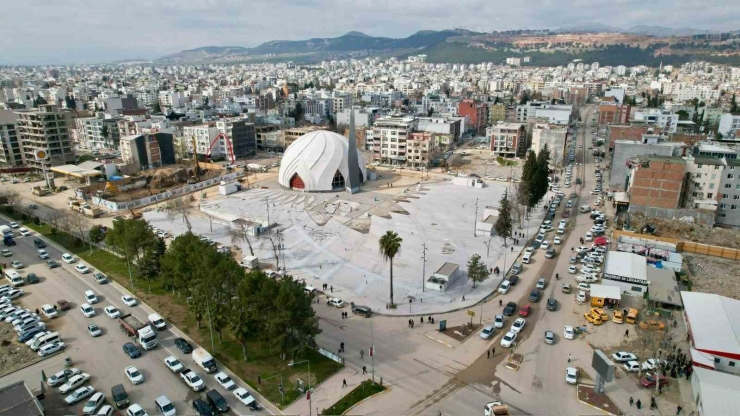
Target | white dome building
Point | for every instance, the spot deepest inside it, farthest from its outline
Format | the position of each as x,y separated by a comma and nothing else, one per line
320,161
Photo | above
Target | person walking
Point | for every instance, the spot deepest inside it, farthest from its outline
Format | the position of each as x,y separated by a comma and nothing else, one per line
332,289
364,369
489,353
626,332
421,319
344,383
632,401
493,351
568,357
678,410
638,404
362,354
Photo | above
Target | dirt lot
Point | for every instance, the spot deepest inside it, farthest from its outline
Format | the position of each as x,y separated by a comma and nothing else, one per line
13,354
687,231
711,274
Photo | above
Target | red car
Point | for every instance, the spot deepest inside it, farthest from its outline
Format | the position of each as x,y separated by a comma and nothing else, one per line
525,310
649,381
64,305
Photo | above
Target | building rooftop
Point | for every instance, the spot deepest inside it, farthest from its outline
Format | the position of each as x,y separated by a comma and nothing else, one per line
719,391
713,321
447,269
17,399
623,264
708,161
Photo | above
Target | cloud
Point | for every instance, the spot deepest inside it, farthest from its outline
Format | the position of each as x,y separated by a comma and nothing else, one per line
69,31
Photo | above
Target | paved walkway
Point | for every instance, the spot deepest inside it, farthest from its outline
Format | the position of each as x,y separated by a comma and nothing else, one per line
328,392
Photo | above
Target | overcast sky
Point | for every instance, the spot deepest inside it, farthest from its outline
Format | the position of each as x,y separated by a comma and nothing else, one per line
89,31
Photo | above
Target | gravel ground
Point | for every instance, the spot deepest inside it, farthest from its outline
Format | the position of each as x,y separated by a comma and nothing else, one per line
711,274
13,354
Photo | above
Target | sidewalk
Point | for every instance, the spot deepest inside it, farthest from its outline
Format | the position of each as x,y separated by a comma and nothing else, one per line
328,392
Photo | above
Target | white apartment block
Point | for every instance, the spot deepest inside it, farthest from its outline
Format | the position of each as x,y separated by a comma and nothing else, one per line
705,176
340,102
729,124
666,120
389,139
171,99
202,136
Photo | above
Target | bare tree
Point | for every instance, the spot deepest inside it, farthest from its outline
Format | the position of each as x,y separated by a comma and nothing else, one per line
275,237
57,219
78,224
12,197
518,207
179,207
239,233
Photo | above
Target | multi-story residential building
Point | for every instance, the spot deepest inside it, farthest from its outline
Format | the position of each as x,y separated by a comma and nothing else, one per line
611,112
10,147
728,211
704,177
242,136
656,184
729,124
475,112
131,125
290,135
198,139
507,139
266,138
626,150
171,99
148,151
98,132
389,139
665,119
554,113
420,148
441,125
496,113
45,128
116,105
714,151
339,103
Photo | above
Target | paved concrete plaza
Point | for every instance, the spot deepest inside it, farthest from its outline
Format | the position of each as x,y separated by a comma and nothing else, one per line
332,238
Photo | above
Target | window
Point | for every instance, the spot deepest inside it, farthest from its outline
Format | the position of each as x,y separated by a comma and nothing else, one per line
698,175
714,176
733,206
736,197
716,167
728,186
722,206
636,289
711,186
699,166
716,360
730,176
724,196
709,195
732,363
722,215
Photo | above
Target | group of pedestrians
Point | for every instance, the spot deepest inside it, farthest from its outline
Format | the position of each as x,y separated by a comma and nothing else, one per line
430,320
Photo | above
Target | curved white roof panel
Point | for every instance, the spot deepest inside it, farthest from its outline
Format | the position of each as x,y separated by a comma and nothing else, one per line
316,157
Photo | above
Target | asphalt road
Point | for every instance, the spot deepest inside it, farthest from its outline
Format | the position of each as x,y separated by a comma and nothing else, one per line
102,357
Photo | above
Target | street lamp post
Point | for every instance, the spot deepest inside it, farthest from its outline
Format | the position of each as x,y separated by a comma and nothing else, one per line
309,383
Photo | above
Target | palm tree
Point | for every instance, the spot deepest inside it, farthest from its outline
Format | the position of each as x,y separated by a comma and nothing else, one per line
389,245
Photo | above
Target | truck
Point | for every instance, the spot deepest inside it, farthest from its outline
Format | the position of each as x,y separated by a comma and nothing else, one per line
84,208
204,360
8,240
143,333
39,191
496,408
255,167
6,231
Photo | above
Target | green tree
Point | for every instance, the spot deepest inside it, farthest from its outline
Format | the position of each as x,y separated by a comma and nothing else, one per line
389,245
176,264
526,186
477,270
246,317
504,223
105,132
96,234
733,104
149,266
156,108
540,183
683,114
293,326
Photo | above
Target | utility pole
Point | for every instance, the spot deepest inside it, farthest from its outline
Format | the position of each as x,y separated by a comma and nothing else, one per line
475,232
372,351
267,201
423,266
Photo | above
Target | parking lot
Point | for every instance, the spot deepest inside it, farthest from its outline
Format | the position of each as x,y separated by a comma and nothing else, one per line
102,357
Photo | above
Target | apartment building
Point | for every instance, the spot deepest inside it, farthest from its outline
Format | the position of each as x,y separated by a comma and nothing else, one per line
148,151
626,150
704,178
496,113
290,135
98,132
171,99
656,185
242,136
10,146
199,138
507,140
267,138
420,148
476,112
665,119
131,125
611,112
45,128
729,124
339,103
728,211
553,113
452,126
388,139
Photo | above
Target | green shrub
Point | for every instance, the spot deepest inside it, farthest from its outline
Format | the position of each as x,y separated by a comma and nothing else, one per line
53,230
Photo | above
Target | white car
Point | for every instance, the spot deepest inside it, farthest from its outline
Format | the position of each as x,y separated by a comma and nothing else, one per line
631,366
588,236
335,302
112,312
90,297
557,241
49,349
94,330
529,250
498,321
487,332
582,249
37,336
106,410
14,225
6,252
568,332
79,394
43,254
173,364
508,339
243,396
73,382
581,296
135,410
518,325
67,258
128,300
545,245
16,265
572,269
87,310
585,287
571,375
49,311
591,269
82,268
586,278
651,364
622,356
133,374
24,232
60,377
93,403
225,381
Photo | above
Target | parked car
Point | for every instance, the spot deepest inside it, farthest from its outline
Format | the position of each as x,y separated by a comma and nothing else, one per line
79,395
631,366
649,381
549,337
509,309
623,357
487,332
571,375
508,339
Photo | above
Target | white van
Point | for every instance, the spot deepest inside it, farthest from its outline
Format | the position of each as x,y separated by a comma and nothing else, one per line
14,278
204,360
561,229
157,321
526,258
584,208
46,339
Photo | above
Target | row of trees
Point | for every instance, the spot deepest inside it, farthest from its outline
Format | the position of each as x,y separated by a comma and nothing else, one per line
534,185
251,306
